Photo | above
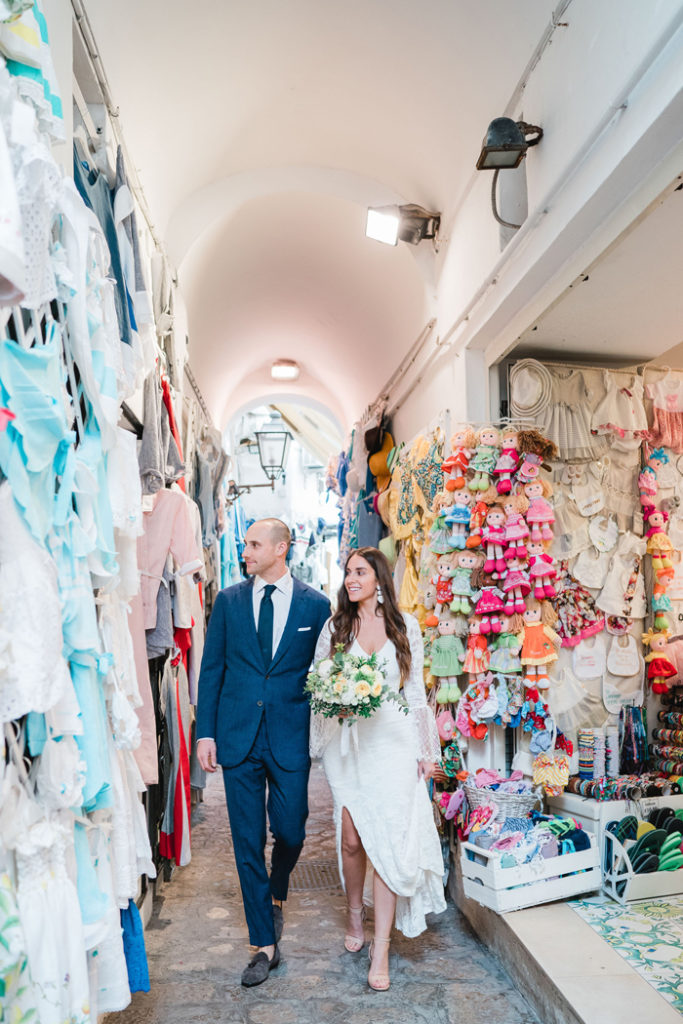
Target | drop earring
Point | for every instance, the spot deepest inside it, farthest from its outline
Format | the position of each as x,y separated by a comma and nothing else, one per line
380,595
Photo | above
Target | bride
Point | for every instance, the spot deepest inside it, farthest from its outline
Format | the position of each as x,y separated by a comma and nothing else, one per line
387,843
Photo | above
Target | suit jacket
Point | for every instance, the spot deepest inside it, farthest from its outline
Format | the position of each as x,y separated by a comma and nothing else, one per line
236,688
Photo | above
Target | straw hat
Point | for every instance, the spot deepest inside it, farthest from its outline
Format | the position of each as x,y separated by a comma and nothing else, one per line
378,463
531,389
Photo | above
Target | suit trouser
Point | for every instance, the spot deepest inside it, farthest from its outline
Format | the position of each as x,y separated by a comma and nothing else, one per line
287,807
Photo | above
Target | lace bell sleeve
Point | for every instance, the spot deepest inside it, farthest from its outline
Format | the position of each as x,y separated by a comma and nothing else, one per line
321,728
429,745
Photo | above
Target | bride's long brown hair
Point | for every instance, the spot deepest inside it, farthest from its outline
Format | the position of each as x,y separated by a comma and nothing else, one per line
345,621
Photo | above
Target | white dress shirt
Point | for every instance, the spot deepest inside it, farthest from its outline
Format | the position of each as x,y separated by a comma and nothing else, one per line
281,598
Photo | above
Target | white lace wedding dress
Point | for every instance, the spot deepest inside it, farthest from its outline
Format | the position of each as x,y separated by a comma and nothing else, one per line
376,779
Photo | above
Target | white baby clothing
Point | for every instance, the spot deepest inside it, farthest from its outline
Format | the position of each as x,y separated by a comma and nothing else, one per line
623,657
590,568
589,658
567,420
613,598
621,410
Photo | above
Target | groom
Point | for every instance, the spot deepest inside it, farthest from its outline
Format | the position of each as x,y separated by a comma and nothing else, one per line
253,718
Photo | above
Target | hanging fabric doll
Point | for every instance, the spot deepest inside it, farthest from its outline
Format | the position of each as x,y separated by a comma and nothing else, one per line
448,653
541,570
493,536
442,580
477,519
659,667
659,546
540,515
507,463
485,456
477,657
507,645
440,531
488,608
456,465
516,529
540,643
648,485
458,518
516,586
534,449
465,563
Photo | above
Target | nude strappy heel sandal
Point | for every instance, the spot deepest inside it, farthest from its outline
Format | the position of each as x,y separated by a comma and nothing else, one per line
352,943
378,982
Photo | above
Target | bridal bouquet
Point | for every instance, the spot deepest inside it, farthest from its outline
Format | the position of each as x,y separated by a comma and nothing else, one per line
349,686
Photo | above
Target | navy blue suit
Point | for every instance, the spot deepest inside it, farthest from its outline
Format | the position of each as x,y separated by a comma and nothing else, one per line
259,716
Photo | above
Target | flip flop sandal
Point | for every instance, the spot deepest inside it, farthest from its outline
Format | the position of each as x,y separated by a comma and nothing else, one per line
679,814
671,862
644,827
672,842
650,842
659,815
626,828
673,824
646,863
567,846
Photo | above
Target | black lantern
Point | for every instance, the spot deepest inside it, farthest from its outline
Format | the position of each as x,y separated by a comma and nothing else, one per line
506,143
273,447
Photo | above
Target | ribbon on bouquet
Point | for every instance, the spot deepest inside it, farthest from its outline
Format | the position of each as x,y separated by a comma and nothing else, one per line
349,732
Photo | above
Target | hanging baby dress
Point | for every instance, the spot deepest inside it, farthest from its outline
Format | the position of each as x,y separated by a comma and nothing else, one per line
621,411
568,420
667,411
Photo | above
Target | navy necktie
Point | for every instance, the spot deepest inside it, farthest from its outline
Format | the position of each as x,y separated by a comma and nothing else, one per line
265,624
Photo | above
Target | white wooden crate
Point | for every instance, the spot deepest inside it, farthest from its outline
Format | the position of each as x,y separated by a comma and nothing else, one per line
543,881
622,884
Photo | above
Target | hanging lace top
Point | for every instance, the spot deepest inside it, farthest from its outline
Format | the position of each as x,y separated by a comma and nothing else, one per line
33,673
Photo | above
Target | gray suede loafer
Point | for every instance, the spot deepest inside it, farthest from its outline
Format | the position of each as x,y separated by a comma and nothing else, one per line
259,967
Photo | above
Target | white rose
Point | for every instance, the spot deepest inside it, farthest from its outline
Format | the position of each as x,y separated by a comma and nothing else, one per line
366,671
378,677
347,696
325,668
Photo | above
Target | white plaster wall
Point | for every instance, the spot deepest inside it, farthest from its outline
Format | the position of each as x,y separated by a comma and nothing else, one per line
574,86
58,17
607,46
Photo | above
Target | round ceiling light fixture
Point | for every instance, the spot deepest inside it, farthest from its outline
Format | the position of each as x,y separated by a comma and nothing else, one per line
284,369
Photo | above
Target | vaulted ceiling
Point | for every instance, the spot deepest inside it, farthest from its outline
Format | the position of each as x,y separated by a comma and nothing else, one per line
261,132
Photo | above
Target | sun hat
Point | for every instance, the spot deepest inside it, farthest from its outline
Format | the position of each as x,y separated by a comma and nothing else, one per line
530,389
378,463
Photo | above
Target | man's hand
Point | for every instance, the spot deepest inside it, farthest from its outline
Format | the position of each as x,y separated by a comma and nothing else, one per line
206,755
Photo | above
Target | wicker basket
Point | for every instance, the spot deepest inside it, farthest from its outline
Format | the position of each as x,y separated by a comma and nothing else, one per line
512,805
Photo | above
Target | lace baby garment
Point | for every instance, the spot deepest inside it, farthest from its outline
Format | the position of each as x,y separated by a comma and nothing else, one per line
33,673
621,411
567,421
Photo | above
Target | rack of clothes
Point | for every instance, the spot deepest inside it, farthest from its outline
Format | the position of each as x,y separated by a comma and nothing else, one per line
103,564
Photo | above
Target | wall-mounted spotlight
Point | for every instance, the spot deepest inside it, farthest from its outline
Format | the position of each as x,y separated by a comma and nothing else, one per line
506,143
284,369
394,224
504,148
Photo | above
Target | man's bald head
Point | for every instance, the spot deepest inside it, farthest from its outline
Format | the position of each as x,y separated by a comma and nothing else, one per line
266,545
279,531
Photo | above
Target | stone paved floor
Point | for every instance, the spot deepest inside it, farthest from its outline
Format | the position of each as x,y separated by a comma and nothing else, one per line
197,947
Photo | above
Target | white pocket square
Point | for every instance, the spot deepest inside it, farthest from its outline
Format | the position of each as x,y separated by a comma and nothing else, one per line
304,629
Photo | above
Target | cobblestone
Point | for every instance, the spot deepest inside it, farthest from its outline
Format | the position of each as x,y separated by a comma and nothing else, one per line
197,948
